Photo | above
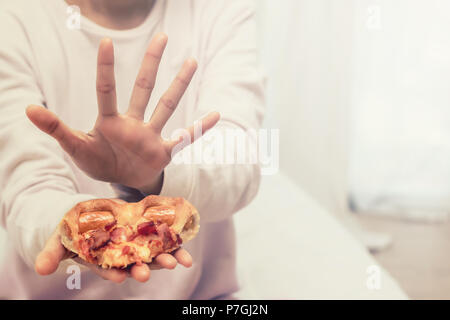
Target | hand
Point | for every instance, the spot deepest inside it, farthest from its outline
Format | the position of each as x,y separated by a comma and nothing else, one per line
54,252
122,148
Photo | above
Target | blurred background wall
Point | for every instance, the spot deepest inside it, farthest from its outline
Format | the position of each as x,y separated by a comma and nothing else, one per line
400,97
307,49
360,91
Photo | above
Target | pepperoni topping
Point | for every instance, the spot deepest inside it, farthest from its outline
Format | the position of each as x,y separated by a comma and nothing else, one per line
125,250
98,239
84,246
147,228
95,240
132,237
119,235
109,226
157,243
167,236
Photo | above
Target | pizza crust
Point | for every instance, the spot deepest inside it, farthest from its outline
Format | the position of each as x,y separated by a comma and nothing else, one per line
140,230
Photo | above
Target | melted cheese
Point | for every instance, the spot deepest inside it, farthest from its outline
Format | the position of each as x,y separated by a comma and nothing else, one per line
113,255
127,216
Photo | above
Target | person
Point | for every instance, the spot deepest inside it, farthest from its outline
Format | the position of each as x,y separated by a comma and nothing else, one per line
55,66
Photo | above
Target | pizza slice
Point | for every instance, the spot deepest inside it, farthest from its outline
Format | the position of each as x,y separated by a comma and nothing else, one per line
110,234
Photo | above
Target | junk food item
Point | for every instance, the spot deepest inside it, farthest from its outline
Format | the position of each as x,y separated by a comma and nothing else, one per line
110,234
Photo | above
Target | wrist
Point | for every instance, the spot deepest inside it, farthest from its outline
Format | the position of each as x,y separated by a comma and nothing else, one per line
154,187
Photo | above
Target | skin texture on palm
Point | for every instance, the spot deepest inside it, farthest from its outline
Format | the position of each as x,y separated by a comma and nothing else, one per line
122,148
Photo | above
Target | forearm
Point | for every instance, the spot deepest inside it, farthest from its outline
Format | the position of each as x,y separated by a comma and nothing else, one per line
33,218
38,187
217,176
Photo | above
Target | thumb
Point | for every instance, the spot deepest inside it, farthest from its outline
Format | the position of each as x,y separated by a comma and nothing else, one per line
49,258
49,123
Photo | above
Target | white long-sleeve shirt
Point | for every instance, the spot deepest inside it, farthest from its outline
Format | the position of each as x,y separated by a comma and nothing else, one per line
44,61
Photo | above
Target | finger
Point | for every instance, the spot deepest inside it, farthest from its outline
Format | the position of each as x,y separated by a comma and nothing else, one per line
194,132
166,260
155,266
170,99
49,258
145,81
140,273
183,257
113,274
106,84
49,123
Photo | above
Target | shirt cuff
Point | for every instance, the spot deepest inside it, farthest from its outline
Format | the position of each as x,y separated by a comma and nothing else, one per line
178,180
126,193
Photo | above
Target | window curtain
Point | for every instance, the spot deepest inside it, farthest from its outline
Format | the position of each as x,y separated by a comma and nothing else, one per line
400,138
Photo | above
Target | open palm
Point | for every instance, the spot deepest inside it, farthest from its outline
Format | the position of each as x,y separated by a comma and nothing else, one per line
122,148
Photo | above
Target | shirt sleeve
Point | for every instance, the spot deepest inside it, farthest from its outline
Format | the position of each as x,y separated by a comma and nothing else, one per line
37,186
232,84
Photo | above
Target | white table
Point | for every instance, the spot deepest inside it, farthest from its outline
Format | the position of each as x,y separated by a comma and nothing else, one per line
291,248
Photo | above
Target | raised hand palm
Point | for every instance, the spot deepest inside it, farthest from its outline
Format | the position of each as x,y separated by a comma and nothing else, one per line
134,153
122,148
